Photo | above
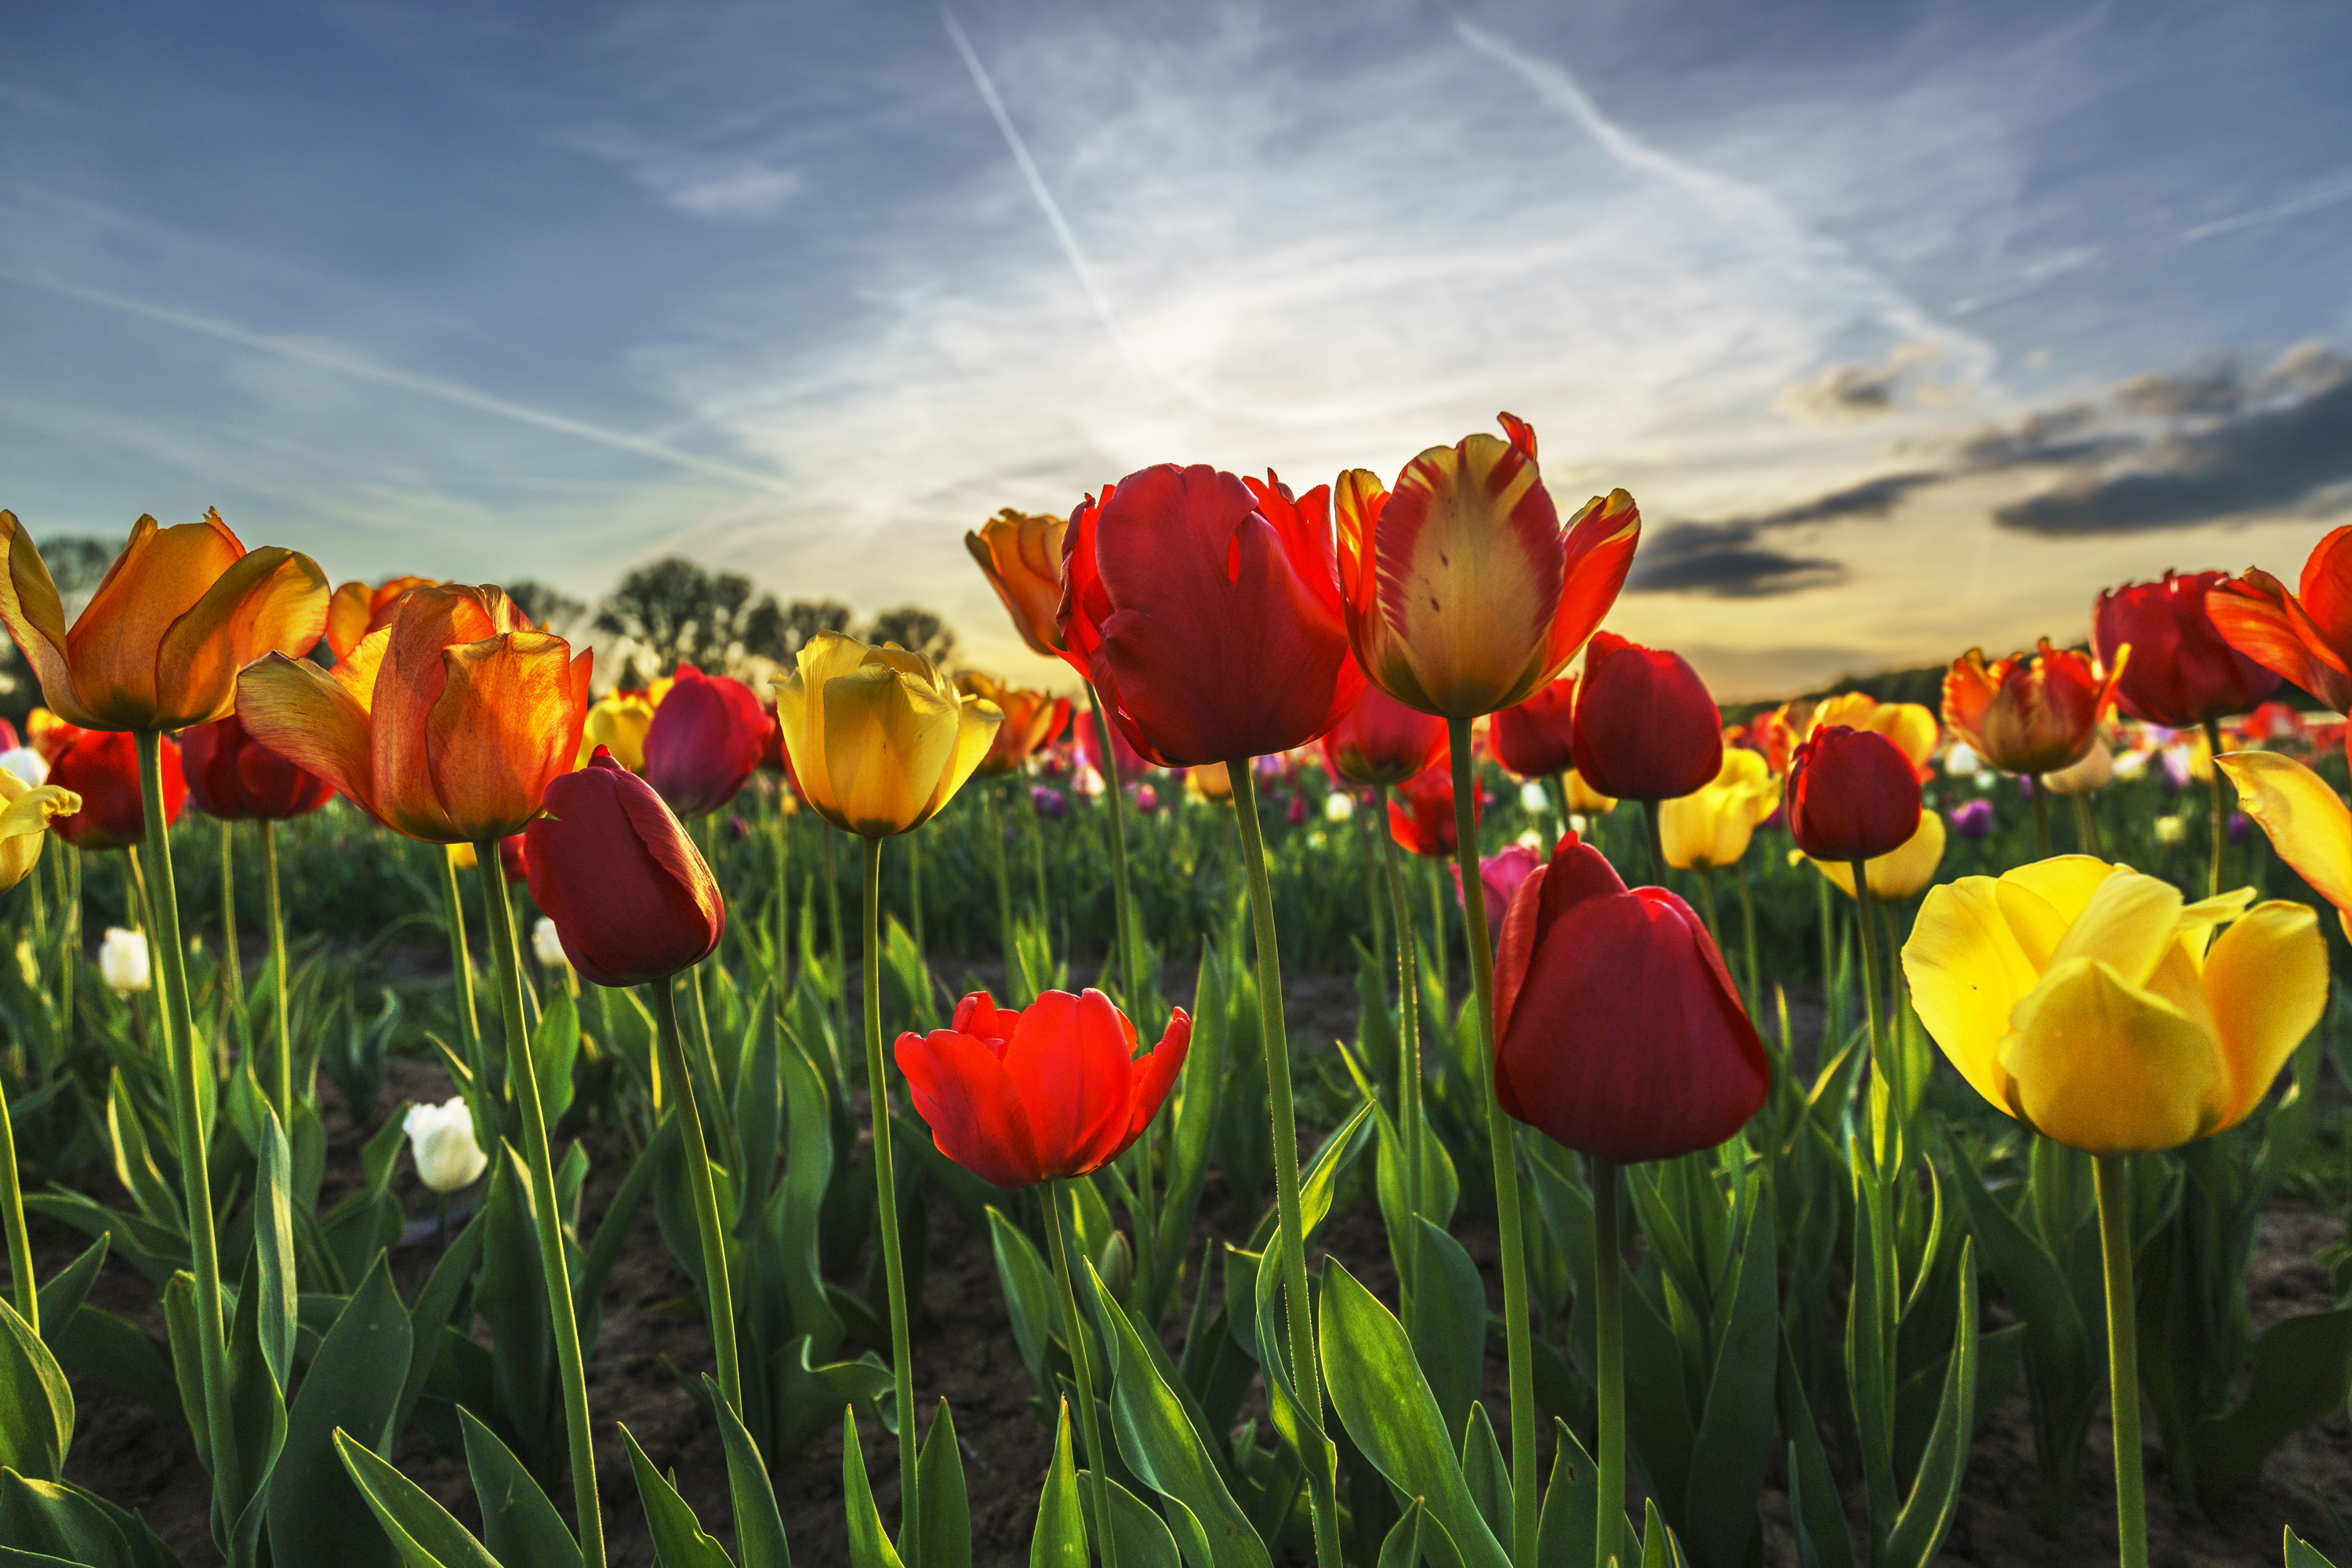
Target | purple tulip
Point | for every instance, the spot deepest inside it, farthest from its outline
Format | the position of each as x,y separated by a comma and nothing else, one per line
1972,819
1048,802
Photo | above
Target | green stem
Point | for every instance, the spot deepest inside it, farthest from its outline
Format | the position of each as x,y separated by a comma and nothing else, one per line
706,1063
1656,840
825,832
886,1204
282,1082
461,966
1512,1241
2041,816
1409,1085
914,837
1438,945
1561,785
2123,1358
1748,932
188,1130
1706,903
1098,1456
522,1082
2087,826
717,1291
2221,810
1374,890
20,1244
783,936
1608,1345
1882,1070
1005,938
231,967
1130,938
1305,1372
1035,832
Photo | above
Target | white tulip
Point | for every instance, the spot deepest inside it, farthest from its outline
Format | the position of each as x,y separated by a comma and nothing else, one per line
441,1137
123,960
26,764
1961,760
546,944
1339,805
1534,799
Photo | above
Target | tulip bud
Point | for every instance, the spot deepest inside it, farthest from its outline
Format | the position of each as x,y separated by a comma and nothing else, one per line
1537,736
102,767
2182,671
547,944
705,739
441,1138
1645,727
1339,805
1852,795
123,961
878,738
1116,1265
1382,740
630,896
234,777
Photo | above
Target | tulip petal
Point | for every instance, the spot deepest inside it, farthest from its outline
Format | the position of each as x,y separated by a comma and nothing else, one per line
963,1093
1967,972
888,740
2306,819
314,720
2130,923
2261,620
2041,901
977,722
1900,872
1068,1062
36,617
2267,981
268,600
162,573
1601,538
410,680
1153,1076
507,723
2103,1065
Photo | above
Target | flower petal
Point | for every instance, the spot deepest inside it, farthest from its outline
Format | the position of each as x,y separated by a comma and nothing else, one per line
1967,972
314,720
162,573
507,723
1153,1076
2102,1065
36,617
2267,981
268,600
2306,819
963,1093
2041,901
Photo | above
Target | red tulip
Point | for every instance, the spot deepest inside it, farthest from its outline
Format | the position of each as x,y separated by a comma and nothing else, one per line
1086,752
1052,1089
1421,813
2305,636
102,767
1500,877
613,868
1619,1031
1205,609
514,858
1382,742
2182,671
234,777
2032,712
1536,738
8,740
705,742
1851,795
1645,727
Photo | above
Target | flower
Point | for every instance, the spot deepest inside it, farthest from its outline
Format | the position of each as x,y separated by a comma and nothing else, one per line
2182,671
2092,1003
1852,795
547,943
446,724
619,721
1339,805
1584,800
1499,875
1295,814
1904,869
1711,826
1086,750
26,810
234,778
101,767
2306,636
704,742
1421,812
1960,760
355,609
2171,830
2030,712
28,765
1537,737
1910,725
1618,1030
441,1139
1972,819
1052,1089
879,740
180,612
2303,816
1464,592
1046,801
514,858
1382,742
1022,554
1209,782
1205,609
2095,772
1534,799
610,865
1031,720
123,961
1645,727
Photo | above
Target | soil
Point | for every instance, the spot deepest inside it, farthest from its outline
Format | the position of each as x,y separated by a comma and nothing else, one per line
964,1353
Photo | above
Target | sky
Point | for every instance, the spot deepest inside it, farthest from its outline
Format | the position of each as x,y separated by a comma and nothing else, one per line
1909,325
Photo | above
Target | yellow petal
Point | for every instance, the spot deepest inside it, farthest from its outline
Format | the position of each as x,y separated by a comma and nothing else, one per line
31,810
2105,1067
1967,972
2304,817
2266,979
2131,922
268,600
1901,871
977,722
2041,899
888,740
36,617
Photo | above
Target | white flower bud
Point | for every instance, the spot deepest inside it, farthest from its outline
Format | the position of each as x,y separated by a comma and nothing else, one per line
546,946
441,1137
1339,805
1961,760
1534,799
123,960
26,764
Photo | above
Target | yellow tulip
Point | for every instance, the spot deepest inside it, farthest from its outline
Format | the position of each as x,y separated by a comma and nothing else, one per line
2092,1003
878,738
1583,799
1209,782
1711,826
26,813
618,721
2304,817
1900,872
1912,726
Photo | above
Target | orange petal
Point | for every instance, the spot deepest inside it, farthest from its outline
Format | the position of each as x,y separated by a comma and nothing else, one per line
306,715
30,608
409,681
347,617
269,601
161,575
2261,619
1601,538
507,721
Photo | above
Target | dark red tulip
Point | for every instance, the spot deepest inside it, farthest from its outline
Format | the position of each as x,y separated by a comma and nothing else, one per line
1619,1030
612,867
1421,812
1382,742
514,858
1086,751
234,777
1851,795
102,767
1645,727
704,740
1022,1096
1206,611
1538,737
2181,671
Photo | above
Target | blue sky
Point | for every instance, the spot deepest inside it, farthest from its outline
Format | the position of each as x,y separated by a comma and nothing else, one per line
1910,325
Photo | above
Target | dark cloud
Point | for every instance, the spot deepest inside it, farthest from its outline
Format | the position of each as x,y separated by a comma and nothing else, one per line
1872,498
1725,561
2068,433
1841,394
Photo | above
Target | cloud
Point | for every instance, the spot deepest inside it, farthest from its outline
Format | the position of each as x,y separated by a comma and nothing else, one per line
1843,394
1732,559
726,185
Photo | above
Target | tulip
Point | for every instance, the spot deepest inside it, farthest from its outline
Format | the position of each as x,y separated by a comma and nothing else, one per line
1338,807
1500,877
1710,827
2030,712
1465,593
704,742
618,721
357,609
1536,738
1031,720
123,961
1382,742
2306,636
1090,751
1584,800
1645,727
26,813
2182,671
1210,781
446,724
879,740
1961,761
629,893
29,766
1046,801
1022,555
2304,819
1852,795
441,1140
235,778
1421,814
102,768
1903,870
1973,819
178,614
1910,725
547,944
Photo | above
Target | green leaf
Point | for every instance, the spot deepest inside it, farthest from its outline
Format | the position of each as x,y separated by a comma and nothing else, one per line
50,1521
759,1523
429,1314
1028,1290
798,1390
273,1240
758,1123
1812,1488
1449,1325
679,1539
63,1294
1659,1547
1928,1512
1733,1447
808,1170
1571,1508
554,1046
1320,1180
2301,1553
353,1384
1060,1539
1141,1535
118,1356
1488,1478
519,1525
946,1512
36,1404
2302,1371
420,1529
1403,1547
869,1544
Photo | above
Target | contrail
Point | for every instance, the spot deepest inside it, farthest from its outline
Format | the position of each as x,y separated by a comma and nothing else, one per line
449,392
1069,241
2325,197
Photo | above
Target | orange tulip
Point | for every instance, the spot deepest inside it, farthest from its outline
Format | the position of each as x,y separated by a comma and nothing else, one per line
2304,636
1464,591
358,609
1032,719
2030,712
447,725
1022,554
180,612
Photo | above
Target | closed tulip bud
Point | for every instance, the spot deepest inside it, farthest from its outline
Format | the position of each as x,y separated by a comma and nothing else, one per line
1852,795
1904,870
1537,737
618,721
2182,671
1382,742
1500,877
1022,555
235,778
2094,1005
102,768
1619,1032
547,944
1583,799
2030,712
26,811
628,892
1645,727
1116,1265
879,740
441,1140
1031,720
704,742
123,961
1711,826
1209,782
1052,1089
1421,812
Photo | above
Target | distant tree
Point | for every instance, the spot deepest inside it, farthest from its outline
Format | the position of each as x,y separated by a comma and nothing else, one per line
915,629
798,623
675,612
549,606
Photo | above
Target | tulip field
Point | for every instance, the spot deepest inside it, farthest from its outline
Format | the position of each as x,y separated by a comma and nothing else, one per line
1345,1059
